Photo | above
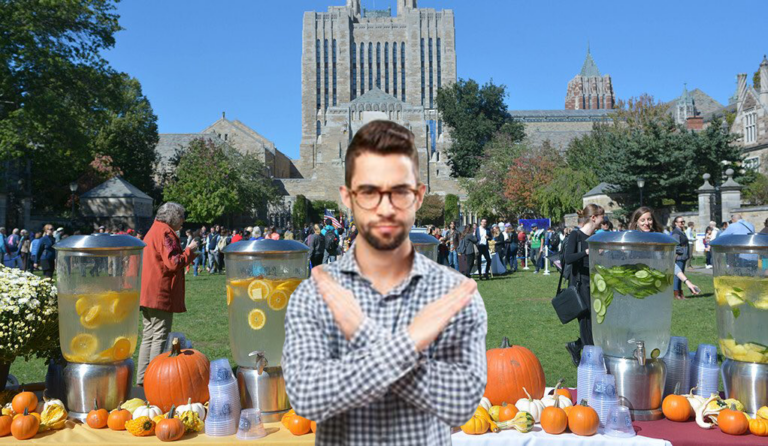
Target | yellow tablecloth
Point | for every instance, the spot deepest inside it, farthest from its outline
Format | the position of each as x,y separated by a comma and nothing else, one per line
76,434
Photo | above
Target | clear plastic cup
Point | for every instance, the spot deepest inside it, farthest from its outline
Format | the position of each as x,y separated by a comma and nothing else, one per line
221,371
619,422
592,355
706,355
604,396
251,426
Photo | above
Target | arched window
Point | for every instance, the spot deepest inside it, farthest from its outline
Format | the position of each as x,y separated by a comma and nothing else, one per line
317,72
402,69
394,69
362,68
353,83
386,67
370,65
333,60
325,62
378,65
318,128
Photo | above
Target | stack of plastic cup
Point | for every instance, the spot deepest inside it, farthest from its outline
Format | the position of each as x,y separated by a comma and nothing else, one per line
224,406
678,366
691,368
592,365
707,374
619,423
250,427
604,397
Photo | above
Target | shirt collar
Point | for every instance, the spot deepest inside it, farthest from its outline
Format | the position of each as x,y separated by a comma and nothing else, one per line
348,263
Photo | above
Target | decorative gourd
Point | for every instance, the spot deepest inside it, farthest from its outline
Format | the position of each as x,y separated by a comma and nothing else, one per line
530,405
118,417
676,407
734,402
475,426
502,413
133,404
563,395
194,407
694,400
705,414
5,425
732,421
170,428
140,427
174,377
523,423
298,425
25,426
192,421
554,420
510,368
51,402
757,426
24,400
148,411
485,403
583,420
54,416
97,418
482,413
7,410
763,412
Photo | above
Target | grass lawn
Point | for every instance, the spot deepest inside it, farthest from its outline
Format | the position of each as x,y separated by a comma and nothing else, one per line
518,307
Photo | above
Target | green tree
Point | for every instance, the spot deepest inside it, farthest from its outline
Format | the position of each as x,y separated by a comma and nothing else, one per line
431,211
474,115
319,207
563,194
300,214
452,208
756,193
756,80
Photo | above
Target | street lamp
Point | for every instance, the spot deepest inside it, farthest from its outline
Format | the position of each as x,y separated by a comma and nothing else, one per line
641,184
73,189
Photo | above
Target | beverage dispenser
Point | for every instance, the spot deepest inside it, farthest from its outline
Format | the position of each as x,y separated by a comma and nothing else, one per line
99,281
261,276
740,267
631,276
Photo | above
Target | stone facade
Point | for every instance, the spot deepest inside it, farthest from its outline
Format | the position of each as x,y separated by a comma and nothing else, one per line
752,119
559,127
588,90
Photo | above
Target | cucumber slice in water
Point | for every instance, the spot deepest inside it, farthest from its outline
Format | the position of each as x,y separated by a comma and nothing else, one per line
600,319
598,305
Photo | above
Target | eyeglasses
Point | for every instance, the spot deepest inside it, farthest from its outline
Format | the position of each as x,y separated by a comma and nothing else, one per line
370,198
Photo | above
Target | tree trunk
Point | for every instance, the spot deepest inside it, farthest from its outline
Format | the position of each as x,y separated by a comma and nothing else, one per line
5,369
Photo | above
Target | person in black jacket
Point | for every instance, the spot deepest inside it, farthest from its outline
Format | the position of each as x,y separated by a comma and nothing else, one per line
467,250
576,254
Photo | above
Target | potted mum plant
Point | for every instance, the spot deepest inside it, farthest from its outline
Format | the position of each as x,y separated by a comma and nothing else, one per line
29,318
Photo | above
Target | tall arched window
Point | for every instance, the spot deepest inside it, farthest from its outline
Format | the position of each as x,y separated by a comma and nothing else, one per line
370,65
318,128
386,67
402,69
353,83
378,65
362,68
394,69
325,62
333,59
317,72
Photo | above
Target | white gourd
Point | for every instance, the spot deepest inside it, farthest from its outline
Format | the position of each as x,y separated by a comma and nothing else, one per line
193,407
530,405
147,411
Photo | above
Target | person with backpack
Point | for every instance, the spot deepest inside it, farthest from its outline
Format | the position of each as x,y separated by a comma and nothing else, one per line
331,245
24,251
213,255
316,243
512,244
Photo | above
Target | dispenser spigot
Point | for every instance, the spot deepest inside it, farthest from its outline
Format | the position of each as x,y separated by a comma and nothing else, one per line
639,353
261,360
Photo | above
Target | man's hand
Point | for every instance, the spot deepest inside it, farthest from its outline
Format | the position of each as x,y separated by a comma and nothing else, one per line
433,318
344,307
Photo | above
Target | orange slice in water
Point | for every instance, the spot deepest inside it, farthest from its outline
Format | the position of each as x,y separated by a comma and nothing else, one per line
278,300
242,282
83,345
121,349
257,319
91,318
230,295
258,290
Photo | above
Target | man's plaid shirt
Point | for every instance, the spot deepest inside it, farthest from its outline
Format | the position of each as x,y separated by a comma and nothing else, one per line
376,388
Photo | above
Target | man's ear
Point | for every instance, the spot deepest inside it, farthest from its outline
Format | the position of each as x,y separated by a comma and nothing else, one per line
421,191
346,196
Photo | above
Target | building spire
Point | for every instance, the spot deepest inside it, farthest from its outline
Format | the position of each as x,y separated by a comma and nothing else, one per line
589,69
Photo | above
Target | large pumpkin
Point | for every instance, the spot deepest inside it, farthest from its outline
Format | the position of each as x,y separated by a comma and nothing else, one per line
510,368
173,378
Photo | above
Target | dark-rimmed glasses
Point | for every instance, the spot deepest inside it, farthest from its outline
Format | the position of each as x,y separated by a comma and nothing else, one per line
369,198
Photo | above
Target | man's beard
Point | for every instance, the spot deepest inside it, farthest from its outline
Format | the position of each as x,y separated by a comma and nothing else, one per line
380,244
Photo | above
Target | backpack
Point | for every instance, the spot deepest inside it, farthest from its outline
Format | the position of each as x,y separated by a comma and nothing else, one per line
221,244
25,245
554,241
213,240
316,246
331,242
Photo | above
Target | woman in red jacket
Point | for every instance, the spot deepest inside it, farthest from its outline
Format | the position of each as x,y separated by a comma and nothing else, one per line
162,281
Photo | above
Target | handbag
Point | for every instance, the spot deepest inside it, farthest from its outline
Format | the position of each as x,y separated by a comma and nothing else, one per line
568,303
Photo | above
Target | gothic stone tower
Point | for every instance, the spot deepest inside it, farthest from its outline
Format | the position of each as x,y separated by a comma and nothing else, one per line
349,50
588,90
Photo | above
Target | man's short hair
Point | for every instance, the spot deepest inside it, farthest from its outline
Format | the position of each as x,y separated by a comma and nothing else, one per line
381,138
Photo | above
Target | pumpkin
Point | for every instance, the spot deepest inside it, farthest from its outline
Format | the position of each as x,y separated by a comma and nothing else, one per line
174,377
757,426
510,368
298,425
5,425
194,407
140,427
554,420
25,426
475,426
148,411
24,400
117,418
583,420
676,407
170,428
314,427
503,413
287,416
564,400
530,405
732,421
97,418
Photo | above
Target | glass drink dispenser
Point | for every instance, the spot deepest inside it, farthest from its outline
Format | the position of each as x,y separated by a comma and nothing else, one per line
740,267
425,244
261,276
631,276
99,282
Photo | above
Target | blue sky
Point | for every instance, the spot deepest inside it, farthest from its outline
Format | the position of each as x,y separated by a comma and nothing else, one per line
197,58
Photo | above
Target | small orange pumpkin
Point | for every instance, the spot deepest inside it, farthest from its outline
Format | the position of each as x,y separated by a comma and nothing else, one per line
554,420
118,417
24,400
583,420
757,426
732,421
170,428
25,426
676,407
5,425
507,412
97,418
313,427
299,425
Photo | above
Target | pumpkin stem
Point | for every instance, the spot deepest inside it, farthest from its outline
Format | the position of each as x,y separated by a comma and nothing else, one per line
120,406
189,402
527,394
559,383
95,404
692,389
557,401
505,342
26,411
172,412
584,403
175,348
677,389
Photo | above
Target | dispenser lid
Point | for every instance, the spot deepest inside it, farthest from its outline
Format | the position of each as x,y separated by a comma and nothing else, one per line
422,238
741,240
247,247
106,242
632,238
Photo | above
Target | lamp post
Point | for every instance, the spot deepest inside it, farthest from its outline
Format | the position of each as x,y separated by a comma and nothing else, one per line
641,185
73,189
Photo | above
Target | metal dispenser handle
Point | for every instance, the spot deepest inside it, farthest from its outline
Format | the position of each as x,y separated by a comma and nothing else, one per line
639,353
261,360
